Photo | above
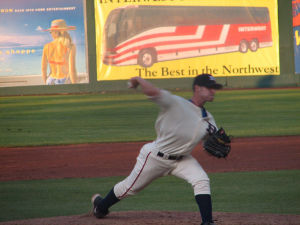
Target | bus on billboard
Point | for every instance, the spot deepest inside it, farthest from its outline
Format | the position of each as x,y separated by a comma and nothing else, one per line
133,36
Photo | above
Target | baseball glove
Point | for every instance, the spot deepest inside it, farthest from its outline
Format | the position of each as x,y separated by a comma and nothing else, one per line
218,143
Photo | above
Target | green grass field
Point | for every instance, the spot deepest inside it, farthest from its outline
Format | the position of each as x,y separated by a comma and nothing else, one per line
251,192
71,119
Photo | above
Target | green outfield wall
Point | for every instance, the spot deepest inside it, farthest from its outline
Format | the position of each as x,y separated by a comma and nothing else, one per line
287,77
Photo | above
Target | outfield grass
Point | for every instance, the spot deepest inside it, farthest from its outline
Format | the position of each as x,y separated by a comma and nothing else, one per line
73,119
251,192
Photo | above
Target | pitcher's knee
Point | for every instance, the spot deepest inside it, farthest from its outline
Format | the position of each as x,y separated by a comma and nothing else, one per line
202,187
122,190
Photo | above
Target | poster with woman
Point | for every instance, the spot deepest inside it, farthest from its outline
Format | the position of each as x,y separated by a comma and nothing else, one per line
42,42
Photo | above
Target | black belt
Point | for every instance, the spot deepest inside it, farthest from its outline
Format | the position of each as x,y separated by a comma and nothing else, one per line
170,157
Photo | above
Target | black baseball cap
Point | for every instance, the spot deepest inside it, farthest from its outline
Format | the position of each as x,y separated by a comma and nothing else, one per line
206,80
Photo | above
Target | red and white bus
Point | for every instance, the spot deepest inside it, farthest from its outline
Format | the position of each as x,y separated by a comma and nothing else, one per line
145,35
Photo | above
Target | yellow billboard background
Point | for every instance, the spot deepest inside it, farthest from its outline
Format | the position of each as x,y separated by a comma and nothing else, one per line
265,61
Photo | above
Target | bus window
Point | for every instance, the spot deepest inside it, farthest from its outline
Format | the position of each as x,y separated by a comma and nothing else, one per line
126,26
111,29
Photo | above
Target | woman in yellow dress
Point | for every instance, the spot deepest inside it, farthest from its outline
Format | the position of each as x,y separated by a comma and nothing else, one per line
60,55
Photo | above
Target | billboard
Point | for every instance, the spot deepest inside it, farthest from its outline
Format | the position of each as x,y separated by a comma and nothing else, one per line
42,42
181,38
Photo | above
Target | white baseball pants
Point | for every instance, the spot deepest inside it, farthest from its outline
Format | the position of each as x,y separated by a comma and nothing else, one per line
149,167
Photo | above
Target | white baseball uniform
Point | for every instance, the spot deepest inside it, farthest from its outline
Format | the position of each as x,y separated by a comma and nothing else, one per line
180,126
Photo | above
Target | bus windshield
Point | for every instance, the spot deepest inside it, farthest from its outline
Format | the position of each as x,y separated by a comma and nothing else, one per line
111,25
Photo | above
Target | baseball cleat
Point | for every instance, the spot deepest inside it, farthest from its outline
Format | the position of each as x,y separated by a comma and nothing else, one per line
97,212
96,196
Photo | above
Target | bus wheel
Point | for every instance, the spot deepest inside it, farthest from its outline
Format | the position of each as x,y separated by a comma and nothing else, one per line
147,57
243,48
253,45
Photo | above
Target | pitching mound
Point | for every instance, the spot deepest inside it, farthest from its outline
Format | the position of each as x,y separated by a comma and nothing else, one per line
164,218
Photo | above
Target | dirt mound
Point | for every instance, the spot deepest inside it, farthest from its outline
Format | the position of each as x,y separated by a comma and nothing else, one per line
164,218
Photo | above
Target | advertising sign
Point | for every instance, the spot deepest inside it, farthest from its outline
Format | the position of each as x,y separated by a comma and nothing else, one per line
181,38
42,42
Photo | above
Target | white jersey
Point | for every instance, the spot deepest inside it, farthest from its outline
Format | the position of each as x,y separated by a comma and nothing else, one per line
180,125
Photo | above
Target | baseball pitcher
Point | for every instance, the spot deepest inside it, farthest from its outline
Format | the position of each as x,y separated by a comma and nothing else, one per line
180,126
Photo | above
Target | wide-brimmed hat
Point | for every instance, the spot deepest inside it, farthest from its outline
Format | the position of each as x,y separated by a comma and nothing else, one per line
60,25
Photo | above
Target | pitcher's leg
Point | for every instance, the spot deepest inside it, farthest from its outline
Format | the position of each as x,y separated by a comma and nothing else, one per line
190,170
101,205
205,207
137,179
146,169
